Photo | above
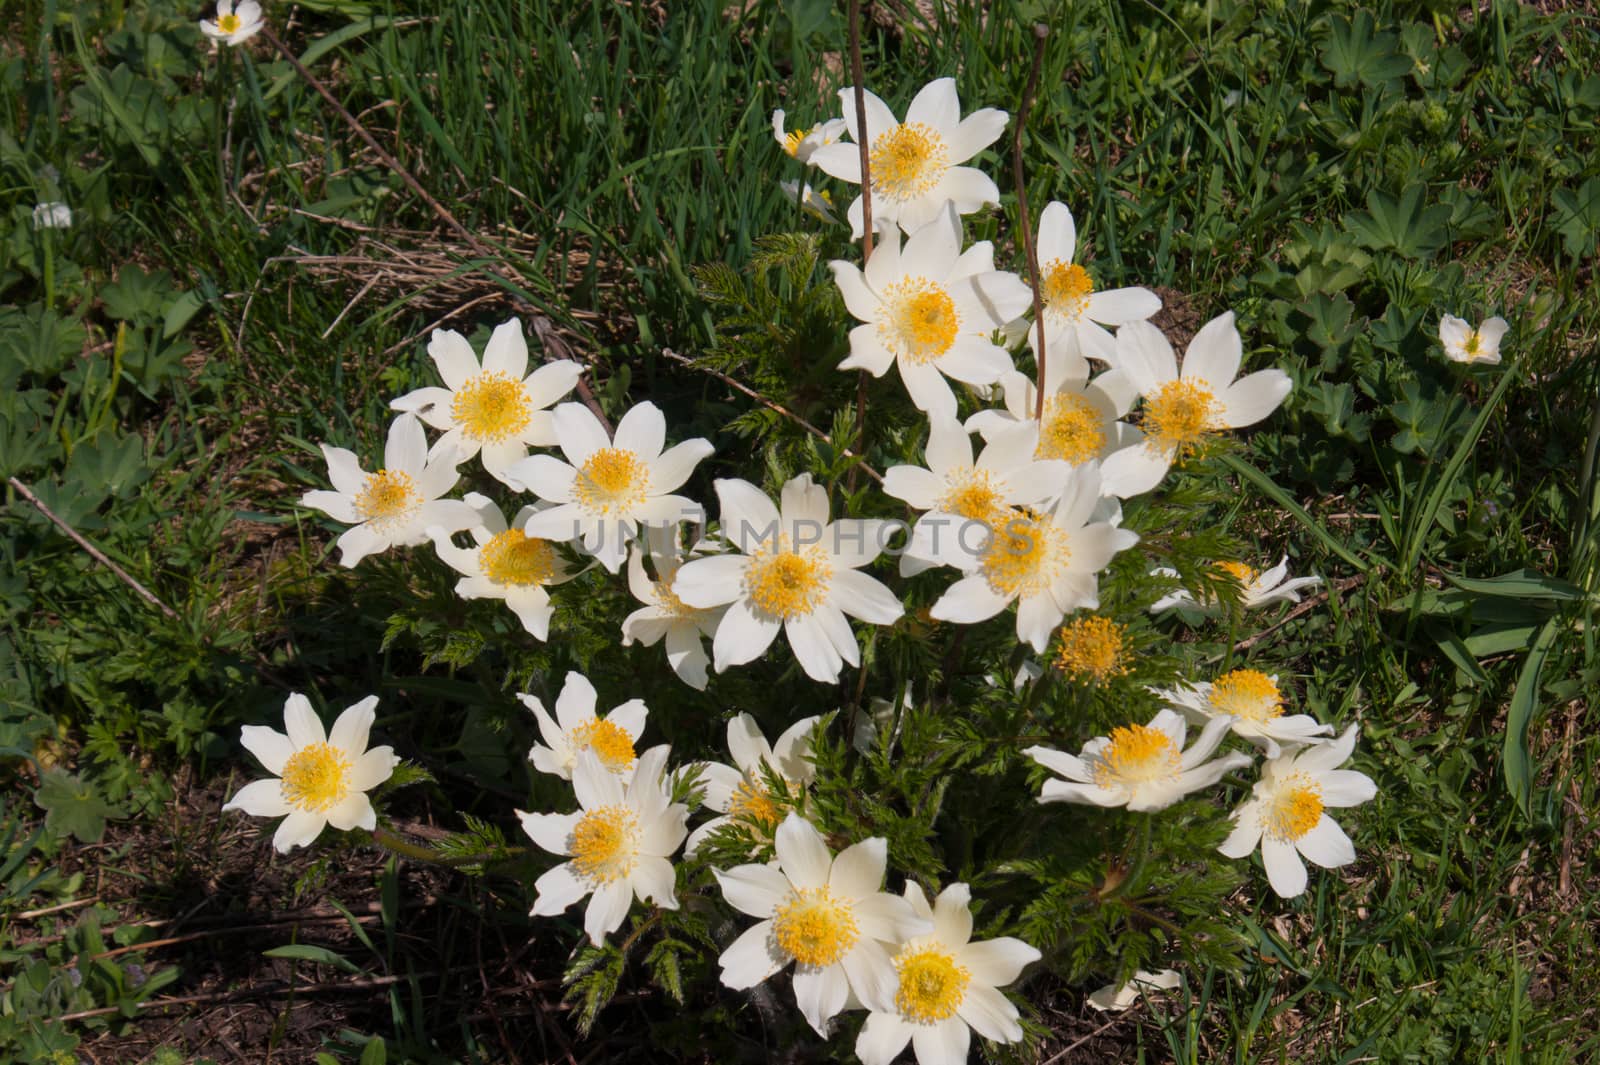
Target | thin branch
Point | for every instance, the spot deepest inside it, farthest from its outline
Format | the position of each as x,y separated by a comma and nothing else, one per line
94,552
863,148
1040,32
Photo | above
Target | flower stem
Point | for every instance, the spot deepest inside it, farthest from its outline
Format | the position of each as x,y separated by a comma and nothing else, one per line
863,146
407,849
1040,32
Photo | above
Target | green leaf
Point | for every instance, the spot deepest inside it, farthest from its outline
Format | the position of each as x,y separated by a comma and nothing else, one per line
182,308
37,341
322,47
136,296
1517,763
72,805
376,1052
110,464
1355,53
1401,225
1275,492
1518,584
1577,217
308,952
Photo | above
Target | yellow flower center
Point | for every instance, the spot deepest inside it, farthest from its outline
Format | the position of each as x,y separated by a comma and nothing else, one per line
228,23
752,802
907,161
1247,694
1071,430
814,927
1295,808
605,844
1092,648
1025,555
1137,754
609,741
387,496
932,985
670,604
920,320
1240,572
1179,415
316,777
491,407
1473,343
793,139
787,583
973,494
1065,289
611,479
513,557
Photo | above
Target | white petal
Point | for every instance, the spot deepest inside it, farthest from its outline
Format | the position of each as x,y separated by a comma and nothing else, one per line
1254,396
863,597
813,649
859,300
946,1042
336,506
997,962
271,747
713,581
576,702
757,890
353,811
1119,306
858,870
1144,355
990,1014
1345,787
1285,871
1215,353
454,358
373,768
299,829
301,722
260,798
558,889
882,1038
1326,844
927,388
802,853
968,601
507,351
748,517
820,994
608,908
751,958
553,832
406,449
976,132
676,464
643,431
579,432
351,728
654,882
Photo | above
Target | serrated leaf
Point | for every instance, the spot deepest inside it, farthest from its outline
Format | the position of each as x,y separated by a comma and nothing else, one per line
1577,217
1356,53
73,806
1402,225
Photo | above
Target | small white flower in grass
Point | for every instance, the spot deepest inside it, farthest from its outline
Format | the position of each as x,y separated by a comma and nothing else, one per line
320,778
929,310
1462,343
1116,999
1046,561
52,215
914,164
945,987
1142,767
1286,813
828,915
664,615
397,505
795,571
609,486
964,499
817,203
576,729
620,842
1180,411
506,563
739,792
497,407
803,143
233,25
1258,588
1250,702
1075,315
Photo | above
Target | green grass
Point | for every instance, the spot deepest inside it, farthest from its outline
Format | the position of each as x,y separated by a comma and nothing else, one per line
1338,179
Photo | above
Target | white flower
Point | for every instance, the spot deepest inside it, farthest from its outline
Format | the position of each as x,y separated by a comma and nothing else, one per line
1142,767
620,842
1046,561
914,171
945,987
818,203
664,615
964,499
52,215
609,486
319,779
497,407
1258,589
796,571
398,504
1286,816
1075,315
1114,998
740,794
506,563
803,143
1250,702
828,915
576,729
1462,343
1180,411
929,310
233,26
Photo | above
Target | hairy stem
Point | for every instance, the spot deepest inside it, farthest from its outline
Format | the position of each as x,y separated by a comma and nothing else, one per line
1040,33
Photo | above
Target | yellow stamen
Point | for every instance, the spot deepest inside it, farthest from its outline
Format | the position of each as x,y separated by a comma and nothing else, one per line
1137,754
907,161
387,496
1065,289
611,479
1025,555
1093,648
316,777
1240,572
752,802
513,557
1294,809
1247,694
491,407
605,844
1071,431
973,494
814,927
1179,415
1473,343
920,320
793,139
609,741
932,986
788,583
228,23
